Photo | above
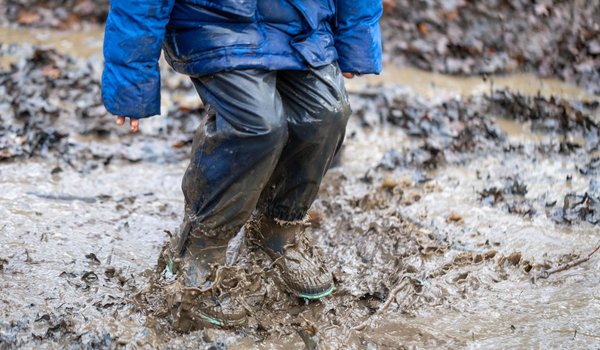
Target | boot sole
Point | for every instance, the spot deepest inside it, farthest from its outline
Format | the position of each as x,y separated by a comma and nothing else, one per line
316,296
221,323
201,318
274,257
207,318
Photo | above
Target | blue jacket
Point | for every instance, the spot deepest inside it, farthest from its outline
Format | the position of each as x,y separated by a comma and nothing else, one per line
202,37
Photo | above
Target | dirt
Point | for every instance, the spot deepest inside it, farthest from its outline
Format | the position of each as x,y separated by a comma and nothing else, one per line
54,14
439,219
550,37
48,99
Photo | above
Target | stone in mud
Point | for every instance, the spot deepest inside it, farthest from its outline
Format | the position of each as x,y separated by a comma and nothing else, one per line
389,183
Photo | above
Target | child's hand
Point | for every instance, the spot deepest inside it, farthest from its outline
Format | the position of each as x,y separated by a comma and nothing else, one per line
135,123
348,75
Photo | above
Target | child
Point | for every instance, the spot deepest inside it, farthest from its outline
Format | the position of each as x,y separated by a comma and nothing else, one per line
270,73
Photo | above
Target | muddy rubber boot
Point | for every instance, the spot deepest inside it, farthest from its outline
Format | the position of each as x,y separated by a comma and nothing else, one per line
300,264
211,290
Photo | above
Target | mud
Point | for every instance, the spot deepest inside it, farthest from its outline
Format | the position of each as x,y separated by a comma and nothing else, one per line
54,14
51,105
550,38
438,219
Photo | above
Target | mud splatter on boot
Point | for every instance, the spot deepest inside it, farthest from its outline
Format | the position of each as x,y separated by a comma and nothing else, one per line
207,291
301,265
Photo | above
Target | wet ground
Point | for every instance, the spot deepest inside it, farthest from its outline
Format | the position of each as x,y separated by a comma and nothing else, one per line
452,197
551,38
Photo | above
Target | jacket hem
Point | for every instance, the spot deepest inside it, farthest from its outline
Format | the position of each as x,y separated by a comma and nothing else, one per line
226,62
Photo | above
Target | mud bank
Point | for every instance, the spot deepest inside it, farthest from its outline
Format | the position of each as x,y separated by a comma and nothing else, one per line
439,222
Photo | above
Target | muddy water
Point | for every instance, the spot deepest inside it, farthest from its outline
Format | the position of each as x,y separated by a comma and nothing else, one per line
436,87
503,314
87,42
75,248
52,222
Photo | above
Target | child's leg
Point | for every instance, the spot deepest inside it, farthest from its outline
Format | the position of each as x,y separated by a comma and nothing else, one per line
235,149
317,110
234,153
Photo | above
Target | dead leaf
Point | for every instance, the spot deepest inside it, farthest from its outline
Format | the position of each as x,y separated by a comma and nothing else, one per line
28,17
51,72
455,217
389,5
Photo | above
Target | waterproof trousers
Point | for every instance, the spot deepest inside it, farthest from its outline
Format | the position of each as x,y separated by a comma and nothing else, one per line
265,143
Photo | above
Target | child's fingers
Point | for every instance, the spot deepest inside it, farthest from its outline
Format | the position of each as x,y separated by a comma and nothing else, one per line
135,125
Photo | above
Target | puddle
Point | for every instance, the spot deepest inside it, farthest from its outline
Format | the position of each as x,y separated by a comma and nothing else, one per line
69,261
83,43
433,86
521,132
436,87
77,246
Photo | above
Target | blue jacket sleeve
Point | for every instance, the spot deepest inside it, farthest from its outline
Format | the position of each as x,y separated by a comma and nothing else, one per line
357,35
133,39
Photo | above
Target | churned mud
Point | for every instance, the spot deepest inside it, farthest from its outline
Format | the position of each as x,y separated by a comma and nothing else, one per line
451,202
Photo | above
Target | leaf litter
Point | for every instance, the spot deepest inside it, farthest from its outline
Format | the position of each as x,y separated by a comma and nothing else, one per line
392,260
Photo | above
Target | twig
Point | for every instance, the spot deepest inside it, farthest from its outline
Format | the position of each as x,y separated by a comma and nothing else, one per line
385,305
392,296
570,264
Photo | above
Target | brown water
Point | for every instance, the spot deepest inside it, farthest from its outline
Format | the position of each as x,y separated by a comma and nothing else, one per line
435,86
50,225
87,42
509,314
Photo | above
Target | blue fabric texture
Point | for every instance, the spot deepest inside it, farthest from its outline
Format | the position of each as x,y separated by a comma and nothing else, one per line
202,37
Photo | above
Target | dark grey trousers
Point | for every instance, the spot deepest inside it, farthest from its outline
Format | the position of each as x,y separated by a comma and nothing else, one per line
265,144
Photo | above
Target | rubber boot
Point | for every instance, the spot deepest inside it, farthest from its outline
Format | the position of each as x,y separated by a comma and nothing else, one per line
212,291
301,265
